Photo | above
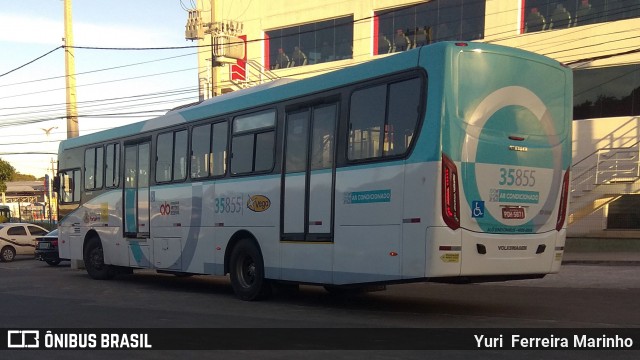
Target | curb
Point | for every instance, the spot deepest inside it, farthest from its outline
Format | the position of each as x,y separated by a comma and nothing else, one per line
602,262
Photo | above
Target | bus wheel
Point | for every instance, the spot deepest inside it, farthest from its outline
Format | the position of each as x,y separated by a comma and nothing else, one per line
94,261
247,272
8,254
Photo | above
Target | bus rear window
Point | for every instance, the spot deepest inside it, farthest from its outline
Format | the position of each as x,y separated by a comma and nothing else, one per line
510,94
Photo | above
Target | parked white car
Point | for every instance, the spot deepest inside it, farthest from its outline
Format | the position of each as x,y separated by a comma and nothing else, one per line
18,239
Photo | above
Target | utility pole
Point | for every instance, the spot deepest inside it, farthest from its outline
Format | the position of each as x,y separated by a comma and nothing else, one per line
226,46
70,72
214,71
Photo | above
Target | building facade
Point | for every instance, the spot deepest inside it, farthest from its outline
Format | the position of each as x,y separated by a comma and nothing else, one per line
28,201
598,39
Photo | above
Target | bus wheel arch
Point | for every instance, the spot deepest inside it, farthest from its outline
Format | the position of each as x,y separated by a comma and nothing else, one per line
93,256
245,265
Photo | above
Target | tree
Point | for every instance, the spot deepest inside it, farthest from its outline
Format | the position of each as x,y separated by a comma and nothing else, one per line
6,173
22,177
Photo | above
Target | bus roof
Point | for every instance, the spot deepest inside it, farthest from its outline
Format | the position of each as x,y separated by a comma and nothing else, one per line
278,90
264,94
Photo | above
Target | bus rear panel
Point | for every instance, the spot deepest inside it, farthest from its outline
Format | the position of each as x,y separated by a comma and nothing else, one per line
506,153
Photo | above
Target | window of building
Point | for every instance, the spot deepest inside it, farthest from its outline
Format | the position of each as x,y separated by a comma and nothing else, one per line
93,168
552,14
383,119
405,28
623,213
253,142
171,156
606,92
322,41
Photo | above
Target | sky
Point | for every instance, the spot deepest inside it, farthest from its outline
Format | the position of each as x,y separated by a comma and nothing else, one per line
113,87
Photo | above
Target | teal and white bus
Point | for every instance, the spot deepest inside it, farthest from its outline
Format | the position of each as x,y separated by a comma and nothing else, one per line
448,162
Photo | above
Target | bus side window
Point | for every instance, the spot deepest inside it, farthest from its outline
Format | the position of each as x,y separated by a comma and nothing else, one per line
66,185
180,155
253,142
112,166
218,158
69,186
171,156
383,119
324,119
164,152
200,151
366,122
402,118
93,168
209,150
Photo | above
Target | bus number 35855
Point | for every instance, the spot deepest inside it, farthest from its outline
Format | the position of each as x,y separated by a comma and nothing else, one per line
517,177
228,205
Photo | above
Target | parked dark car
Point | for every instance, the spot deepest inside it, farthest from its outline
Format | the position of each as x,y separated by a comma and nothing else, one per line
47,248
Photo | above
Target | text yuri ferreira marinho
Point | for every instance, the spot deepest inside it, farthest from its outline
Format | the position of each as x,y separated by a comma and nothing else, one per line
515,341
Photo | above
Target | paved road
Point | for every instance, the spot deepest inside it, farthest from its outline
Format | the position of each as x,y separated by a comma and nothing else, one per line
581,296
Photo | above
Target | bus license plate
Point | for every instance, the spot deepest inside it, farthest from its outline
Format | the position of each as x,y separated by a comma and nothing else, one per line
513,213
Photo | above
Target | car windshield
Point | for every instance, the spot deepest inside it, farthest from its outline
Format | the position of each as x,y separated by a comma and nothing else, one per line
53,233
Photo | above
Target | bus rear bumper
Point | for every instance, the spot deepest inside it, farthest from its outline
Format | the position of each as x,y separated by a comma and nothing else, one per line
452,253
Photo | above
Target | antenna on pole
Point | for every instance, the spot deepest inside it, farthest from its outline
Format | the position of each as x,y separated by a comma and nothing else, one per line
70,72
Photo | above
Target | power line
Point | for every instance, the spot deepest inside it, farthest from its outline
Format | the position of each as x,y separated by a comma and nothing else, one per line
137,48
100,83
31,62
99,70
302,73
125,98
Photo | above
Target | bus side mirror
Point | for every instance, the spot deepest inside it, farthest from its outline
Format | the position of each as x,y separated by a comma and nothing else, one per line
56,184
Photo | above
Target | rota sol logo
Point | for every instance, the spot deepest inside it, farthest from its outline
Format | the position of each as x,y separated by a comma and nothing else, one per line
258,203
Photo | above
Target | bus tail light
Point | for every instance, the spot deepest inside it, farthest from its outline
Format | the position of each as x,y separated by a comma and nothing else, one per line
564,198
450,199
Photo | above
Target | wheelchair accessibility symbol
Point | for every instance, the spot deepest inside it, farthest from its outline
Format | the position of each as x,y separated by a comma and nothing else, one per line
477,209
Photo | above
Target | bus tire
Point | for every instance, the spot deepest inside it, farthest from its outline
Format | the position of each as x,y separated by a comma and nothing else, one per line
94,261
247,272
8,254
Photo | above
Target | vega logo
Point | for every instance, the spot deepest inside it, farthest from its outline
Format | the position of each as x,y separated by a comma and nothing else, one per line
258,203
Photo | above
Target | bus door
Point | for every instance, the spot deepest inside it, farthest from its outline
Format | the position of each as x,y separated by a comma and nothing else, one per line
308,189
136,200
